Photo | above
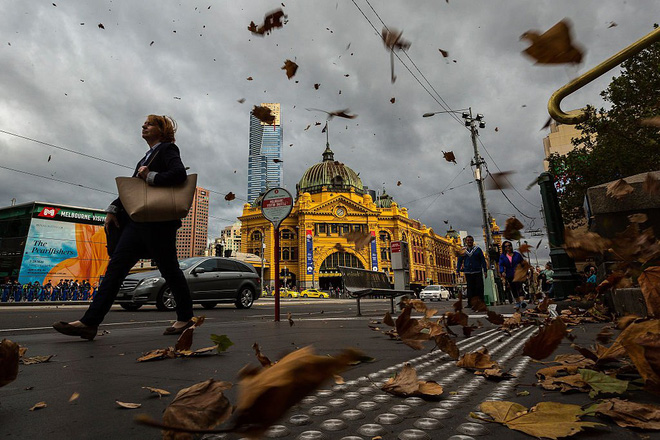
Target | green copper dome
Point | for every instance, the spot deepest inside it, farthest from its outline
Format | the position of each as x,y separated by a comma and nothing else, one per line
384,201
333,175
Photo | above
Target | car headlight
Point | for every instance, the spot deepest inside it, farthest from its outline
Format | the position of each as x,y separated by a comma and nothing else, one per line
148,282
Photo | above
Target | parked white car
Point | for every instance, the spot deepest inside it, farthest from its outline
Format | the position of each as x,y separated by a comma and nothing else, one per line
434,292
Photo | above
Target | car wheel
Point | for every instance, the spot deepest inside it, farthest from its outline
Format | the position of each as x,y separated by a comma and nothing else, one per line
305,296
245,298
289,296
130,307
209,305
165,300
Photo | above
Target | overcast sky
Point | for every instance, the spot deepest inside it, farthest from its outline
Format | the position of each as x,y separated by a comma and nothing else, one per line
67,82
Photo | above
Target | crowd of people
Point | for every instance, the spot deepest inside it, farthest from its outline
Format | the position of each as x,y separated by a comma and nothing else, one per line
64,290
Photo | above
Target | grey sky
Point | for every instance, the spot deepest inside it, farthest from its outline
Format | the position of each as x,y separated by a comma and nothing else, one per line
88,89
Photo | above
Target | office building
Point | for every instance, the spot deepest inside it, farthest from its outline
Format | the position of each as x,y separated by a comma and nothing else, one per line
265,154
192,236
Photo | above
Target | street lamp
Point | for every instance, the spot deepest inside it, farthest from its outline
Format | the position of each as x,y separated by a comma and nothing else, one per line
428,115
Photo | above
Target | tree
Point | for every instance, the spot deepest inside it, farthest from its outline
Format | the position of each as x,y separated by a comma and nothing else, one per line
614,144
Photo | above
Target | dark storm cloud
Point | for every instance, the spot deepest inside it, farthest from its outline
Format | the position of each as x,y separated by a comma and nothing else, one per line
198,73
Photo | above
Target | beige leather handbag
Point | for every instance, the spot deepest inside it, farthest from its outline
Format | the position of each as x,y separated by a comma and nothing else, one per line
144,203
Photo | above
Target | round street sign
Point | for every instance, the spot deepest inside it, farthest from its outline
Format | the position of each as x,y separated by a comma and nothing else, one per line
276,205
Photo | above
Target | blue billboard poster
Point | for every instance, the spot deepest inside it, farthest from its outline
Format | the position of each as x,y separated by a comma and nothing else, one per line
310,252
63,250
374,255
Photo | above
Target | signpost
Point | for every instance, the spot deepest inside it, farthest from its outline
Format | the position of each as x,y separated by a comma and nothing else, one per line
276,205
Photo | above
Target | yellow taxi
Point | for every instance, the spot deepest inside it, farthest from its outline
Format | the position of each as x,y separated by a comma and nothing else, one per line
313,293
286,293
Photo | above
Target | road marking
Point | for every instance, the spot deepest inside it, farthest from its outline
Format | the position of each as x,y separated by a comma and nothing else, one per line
168,321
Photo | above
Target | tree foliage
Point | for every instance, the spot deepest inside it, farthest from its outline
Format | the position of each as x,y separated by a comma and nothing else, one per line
613,143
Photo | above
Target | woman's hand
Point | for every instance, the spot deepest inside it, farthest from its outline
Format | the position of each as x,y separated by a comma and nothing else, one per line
143,172
110,218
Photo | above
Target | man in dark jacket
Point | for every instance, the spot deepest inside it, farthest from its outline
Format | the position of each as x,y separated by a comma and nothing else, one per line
473,264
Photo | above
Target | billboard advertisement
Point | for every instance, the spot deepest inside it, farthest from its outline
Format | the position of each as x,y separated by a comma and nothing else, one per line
310,252
374,254
64,243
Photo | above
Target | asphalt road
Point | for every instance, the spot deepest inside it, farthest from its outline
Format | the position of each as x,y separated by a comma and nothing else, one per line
106,370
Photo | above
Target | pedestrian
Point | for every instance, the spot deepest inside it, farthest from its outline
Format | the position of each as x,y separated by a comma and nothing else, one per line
509,261
547,279
473,265
161,166
591,279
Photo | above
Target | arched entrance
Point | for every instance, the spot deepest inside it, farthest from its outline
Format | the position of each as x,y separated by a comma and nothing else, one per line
329,276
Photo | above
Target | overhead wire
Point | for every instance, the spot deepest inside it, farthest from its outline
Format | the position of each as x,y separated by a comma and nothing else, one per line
57,180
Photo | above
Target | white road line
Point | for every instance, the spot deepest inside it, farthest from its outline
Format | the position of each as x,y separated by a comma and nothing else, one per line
166,321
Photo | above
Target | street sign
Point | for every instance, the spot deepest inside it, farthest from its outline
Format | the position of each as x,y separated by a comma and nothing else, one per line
276,205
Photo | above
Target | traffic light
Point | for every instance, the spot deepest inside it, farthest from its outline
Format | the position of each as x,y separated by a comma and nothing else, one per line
218,250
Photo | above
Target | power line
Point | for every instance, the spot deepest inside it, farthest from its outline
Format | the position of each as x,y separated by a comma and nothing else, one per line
57,180
439,192
509,200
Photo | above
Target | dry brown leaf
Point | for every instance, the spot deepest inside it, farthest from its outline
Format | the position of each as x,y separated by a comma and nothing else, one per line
514,321
158,391
405,384
387,319
512,228
444,53
522,269
230,196
456,318
638,218
524,248
393,100
649,282
9,354
264,114
286,382
128,405
341,114
546,341
290,68
36,359
651,185
580,245
498,181
449,156
393,42
445,343
554,46
494,373
495,318
631,414
619,189
479,360
263,359
38,405
361,239
161,353
650,122
557,370
410,329
478,305
272,20
288,318
74,397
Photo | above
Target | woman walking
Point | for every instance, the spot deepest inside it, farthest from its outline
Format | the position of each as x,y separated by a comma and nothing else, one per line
509,261
161,166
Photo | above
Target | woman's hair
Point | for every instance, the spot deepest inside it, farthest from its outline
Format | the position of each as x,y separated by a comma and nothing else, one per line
166,125
504,245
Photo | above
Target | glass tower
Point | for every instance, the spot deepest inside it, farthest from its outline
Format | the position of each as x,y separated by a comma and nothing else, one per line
265,148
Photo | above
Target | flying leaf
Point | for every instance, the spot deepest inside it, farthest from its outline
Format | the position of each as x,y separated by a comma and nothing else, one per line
602,383
128,405
495,318
393,100
405,384
230,196
272,20
410,330
101,26
547,419
649,282
619,189
342,114
38,405
494,373
264,114
49,156
286,382
387,319
479,360
222,342
449,156
612,24
361,239
9,355
290,68
520,274
512,228
498,181
288,317
263,359
582,244
444,53
638,218
393,42
445,343
316,86
161,353
74,397
524,248
651,185
158,391
650,122
553,46
631,414
240,101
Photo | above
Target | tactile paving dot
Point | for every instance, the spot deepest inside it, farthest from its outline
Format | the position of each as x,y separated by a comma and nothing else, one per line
214,437
371,430
382,398
413,434
439,413
333,425
401,410
352,414
427,423
319,410
351,437
388,419
460,437
277,431
337,403
367,405
300,420
309,400
472,429
311,435
414,401
341,387
352,395
367,390
324,393
449,404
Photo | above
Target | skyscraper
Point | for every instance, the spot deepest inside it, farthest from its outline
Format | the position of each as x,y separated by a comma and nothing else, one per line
192,235
265,148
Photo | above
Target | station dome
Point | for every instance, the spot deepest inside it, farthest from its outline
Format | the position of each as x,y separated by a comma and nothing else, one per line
329,175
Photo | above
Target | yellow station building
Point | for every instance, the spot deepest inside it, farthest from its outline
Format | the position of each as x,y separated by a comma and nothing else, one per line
330,203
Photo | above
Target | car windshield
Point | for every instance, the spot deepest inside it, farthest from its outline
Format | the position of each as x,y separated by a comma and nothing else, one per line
428,288
185,264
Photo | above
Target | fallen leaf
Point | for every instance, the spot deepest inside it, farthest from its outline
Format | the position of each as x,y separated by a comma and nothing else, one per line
522,393
230,196
605,335
479,360
405,384
649,282
514,321
36,359
128,405
619,189
222,342
290,68
286,382
546,419
602,383
38,405
272,20
494,373
263,359
264,114
553,46
74,397
449,156
512,228
495,318
9,354
546,341
158,391
387,319
631,414
565,384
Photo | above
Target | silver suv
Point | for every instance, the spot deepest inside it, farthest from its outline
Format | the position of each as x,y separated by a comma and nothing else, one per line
212,280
